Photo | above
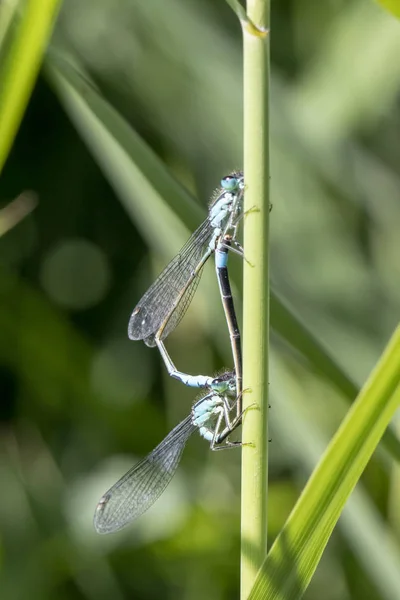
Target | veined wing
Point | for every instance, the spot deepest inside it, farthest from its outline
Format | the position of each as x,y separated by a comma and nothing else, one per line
140,487
181,307
158,302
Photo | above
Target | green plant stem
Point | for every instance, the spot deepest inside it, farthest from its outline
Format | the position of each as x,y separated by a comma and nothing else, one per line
256,294
22,66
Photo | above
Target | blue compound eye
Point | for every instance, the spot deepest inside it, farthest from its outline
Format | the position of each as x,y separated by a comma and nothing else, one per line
229,183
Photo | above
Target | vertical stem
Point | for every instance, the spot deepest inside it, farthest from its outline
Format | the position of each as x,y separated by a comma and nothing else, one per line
255,293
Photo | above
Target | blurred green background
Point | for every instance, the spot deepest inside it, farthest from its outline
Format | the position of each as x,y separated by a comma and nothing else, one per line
79,402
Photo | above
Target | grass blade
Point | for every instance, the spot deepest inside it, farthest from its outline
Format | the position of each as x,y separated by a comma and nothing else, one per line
297,550
22,66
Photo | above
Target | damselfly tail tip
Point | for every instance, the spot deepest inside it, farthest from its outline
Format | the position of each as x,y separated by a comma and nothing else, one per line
134,327
99,521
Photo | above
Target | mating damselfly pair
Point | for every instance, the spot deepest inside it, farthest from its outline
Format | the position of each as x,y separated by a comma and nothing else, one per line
216,414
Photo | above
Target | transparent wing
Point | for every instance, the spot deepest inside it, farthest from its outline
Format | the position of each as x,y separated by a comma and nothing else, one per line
140,487
179,311
158,302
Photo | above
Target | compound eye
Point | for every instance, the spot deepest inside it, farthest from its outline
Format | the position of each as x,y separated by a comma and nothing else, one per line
218,385
229,183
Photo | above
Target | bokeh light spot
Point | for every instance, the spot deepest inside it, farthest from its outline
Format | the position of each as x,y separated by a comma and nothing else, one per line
76,274
121,373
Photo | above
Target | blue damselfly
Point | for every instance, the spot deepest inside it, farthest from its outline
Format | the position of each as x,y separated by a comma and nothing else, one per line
140,487
166,301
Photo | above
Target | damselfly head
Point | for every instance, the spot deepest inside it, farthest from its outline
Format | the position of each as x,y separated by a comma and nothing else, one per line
232,182
224,383
228,196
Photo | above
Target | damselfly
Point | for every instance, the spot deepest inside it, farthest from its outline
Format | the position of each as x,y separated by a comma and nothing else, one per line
140,487
221,267
166,301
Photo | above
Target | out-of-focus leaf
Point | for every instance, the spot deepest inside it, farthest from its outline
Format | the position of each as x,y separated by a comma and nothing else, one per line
322,113
7,14
297,334
22,66
241,14
393,6
142,178
16,210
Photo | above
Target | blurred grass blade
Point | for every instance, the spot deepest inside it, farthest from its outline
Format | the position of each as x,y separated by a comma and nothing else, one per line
144,185
296,552
22,65
16,210
246,23
392,6
239,10
7,14
302,437
106,132
289,326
